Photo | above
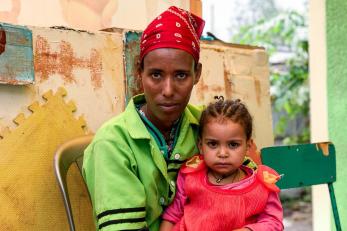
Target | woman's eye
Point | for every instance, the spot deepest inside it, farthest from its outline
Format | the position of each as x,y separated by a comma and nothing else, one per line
181,75
155,75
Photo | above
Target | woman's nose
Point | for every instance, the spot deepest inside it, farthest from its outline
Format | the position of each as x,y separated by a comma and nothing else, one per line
168,87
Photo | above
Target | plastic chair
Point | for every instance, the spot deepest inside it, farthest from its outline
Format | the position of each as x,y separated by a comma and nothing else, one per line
68,153
304,165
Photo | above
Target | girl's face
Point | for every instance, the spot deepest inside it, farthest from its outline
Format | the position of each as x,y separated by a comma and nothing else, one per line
224,146
168,77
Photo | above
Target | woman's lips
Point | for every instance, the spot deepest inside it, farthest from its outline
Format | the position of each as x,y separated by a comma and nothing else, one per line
169,107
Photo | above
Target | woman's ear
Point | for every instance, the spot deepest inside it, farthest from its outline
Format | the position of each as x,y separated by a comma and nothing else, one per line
197,73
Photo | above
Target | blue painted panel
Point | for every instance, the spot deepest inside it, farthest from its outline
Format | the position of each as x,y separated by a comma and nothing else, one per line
16,55
131,55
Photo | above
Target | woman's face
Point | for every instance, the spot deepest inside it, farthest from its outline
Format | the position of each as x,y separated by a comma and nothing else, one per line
224,146
168,76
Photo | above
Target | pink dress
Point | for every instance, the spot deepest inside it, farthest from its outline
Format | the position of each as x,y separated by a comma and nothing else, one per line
199,205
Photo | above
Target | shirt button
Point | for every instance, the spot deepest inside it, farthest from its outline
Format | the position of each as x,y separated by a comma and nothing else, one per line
177,156
162,200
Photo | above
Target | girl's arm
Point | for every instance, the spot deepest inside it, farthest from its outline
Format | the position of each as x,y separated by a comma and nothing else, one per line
166,226
271,219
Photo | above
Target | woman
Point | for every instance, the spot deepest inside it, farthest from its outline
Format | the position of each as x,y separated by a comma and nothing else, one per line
131,166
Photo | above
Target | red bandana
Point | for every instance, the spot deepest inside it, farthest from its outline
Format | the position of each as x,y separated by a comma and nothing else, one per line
174,28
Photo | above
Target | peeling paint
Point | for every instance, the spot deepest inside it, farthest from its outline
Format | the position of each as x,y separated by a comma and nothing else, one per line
200,87
64,61
324,146
71,29
227,82
2,40
257,87
131,55
16,55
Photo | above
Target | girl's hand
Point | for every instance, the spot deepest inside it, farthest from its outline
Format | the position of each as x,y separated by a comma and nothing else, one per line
166,226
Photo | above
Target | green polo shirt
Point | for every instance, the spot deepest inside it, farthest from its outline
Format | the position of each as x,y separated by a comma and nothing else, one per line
127,176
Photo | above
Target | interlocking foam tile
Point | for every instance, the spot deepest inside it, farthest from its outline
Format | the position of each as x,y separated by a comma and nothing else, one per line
29,195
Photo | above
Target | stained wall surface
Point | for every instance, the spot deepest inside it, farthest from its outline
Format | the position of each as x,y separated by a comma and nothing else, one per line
80,83
238,72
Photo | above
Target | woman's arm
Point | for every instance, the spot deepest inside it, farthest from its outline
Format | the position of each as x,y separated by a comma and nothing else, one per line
174,212
118,196
271,219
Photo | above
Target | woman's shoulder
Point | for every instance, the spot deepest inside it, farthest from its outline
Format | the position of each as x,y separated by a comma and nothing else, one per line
194,112
121,125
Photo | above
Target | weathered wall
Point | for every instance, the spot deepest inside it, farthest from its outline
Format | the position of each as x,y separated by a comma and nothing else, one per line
91,69
336,28
238,72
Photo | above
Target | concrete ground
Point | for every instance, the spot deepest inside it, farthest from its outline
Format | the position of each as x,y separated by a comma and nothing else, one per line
297,211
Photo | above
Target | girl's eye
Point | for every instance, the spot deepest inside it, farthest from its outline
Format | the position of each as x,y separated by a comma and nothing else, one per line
212,144
233,145
181,75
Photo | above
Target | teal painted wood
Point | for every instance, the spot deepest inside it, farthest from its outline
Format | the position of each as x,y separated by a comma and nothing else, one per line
16,55
304,165
131,55
334,207
301,165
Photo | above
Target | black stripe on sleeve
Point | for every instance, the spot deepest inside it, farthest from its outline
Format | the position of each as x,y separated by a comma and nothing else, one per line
172,170
143,229
124,210
176,161
119,221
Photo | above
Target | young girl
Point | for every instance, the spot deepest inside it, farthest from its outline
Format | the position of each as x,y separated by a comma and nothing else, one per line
214,190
